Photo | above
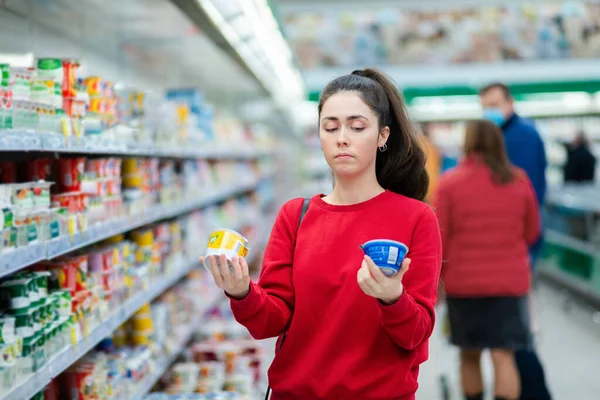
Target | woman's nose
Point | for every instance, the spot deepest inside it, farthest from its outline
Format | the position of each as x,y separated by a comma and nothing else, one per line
342,139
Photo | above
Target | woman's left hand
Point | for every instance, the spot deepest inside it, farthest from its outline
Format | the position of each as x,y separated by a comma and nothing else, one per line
374,283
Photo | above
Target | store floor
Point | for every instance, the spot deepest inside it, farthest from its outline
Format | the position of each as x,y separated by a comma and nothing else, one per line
568,344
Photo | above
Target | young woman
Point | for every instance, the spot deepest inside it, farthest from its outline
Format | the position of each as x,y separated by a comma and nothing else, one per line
351,332
489,217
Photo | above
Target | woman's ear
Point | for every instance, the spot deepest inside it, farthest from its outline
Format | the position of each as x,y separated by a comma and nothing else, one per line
383,136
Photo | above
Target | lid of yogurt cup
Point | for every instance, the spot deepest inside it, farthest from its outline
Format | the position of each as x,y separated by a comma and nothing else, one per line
388,242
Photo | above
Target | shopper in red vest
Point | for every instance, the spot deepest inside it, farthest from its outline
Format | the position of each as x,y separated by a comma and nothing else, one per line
489,217
352,332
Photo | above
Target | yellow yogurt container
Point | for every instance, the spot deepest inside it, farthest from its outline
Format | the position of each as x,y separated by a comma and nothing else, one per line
227,242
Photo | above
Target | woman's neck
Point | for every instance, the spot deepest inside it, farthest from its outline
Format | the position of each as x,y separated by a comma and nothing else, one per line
354,191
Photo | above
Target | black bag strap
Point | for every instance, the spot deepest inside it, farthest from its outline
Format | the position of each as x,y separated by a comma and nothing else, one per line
303,212
283,335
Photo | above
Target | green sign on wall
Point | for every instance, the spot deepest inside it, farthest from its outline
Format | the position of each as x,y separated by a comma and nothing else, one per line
519,90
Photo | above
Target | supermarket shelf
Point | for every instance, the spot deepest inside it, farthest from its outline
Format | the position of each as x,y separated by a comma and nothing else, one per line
162,366
577,287
17,259
571,243
71,354
19,141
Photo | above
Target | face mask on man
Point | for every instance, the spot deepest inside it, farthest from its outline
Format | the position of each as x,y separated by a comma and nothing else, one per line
494,115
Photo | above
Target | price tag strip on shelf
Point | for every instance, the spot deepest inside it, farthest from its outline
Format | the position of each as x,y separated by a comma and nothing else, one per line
15,140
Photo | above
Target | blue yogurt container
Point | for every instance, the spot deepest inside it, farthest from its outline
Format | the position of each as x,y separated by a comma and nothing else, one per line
386,254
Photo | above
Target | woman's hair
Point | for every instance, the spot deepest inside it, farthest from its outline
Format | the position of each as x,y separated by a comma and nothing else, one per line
485,139
401,168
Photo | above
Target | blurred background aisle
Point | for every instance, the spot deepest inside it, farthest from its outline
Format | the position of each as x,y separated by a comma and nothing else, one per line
568,342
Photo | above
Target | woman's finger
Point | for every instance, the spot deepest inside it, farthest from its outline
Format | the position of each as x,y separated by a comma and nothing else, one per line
366,281
237,269
378,275
214,269
245,269
403,269
224,268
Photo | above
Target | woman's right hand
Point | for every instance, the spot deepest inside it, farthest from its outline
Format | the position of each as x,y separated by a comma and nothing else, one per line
235,281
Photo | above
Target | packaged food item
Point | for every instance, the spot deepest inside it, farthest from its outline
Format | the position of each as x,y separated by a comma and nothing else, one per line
227,242
14,293
144,240
50,69
65,273
70,171
81,382
8,172
41,278
7,329
38,169
388,255
186,374
73,202
25,321
41,193
22,195
8,354
65,300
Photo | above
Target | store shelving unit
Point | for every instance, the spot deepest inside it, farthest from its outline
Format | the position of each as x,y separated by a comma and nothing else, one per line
18,141
67,357
20,258
27,144
59,363
162,365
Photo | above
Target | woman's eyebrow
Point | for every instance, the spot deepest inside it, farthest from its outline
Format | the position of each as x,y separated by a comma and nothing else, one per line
349,118
358,116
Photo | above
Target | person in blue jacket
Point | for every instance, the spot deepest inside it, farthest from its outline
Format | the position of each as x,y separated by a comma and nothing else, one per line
525,149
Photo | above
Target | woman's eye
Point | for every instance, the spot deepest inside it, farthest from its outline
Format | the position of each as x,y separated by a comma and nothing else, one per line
331,129
358,128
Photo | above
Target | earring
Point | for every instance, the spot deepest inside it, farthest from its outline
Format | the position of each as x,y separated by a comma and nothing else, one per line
383,148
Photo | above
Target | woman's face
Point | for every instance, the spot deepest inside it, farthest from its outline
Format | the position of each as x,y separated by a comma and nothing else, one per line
349,134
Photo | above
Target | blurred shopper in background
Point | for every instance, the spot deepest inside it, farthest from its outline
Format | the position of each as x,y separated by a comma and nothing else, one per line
489,217
525,149
434,161
581,162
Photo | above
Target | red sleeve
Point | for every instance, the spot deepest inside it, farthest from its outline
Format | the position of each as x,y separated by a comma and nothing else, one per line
410,320
267,310
533,223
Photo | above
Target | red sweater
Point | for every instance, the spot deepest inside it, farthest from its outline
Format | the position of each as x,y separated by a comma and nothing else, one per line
341,343
487,229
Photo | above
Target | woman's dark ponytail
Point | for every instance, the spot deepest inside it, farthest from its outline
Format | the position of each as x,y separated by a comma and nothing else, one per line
401,168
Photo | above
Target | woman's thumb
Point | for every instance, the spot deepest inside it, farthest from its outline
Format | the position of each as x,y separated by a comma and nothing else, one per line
405,266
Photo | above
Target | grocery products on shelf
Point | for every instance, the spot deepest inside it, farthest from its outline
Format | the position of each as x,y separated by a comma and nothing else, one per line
221,360
54,106
125,363
56,306
76,193
108,194
55,97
